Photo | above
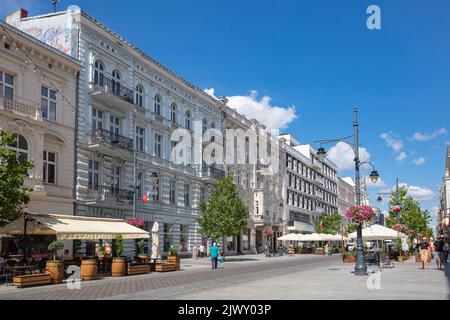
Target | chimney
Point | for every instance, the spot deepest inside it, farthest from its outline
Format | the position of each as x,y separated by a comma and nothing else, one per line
15,17
223,100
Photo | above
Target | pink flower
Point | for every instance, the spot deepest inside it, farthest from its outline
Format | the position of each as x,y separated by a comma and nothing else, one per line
359,214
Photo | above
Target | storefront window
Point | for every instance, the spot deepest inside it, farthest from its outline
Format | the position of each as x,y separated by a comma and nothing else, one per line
168,236
230,243
184,237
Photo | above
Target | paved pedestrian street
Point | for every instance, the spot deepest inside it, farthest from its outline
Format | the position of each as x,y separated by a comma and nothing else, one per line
257,277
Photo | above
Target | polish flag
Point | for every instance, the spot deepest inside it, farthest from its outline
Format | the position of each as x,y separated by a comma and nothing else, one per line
146,197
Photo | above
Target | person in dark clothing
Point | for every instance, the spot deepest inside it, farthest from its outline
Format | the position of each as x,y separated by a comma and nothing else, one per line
439,252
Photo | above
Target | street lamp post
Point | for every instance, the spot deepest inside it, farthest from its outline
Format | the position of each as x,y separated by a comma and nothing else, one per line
361,267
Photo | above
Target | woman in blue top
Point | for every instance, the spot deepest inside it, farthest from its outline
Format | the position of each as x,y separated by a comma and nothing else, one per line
214,256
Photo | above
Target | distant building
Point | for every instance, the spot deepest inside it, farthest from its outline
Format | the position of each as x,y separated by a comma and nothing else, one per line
444,200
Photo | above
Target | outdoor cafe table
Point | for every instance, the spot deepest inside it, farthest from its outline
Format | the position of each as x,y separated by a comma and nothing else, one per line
17,269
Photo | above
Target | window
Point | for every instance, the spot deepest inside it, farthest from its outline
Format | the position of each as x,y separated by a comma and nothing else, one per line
246,240
173,113
204,126
202,194
115,178
97,119
186,195
116,82
173,184
155,194
230,243
158,104
139,95
158,145
6,85
93,175
187,120
184,232
99,73
139,184
48,103
168,236
140,139
20,145
114,125
49,173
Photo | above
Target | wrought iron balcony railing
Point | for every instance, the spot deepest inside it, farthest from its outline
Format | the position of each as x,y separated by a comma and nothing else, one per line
106,84
212,172
112,138
112,193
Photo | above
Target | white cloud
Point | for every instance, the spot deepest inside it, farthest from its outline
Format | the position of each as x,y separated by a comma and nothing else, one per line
418,193
393,142
401,156
273,117
380,183
342,156
419,161
419,136
210,92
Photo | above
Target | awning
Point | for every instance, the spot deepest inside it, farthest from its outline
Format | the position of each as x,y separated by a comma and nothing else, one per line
74,227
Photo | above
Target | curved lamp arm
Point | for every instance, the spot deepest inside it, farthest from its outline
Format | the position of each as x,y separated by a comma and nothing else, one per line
326,141
369,163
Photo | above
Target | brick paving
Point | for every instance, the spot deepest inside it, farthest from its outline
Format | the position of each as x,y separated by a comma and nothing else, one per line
195,272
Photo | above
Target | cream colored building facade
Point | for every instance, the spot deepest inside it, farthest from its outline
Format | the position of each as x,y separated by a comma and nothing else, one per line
43,121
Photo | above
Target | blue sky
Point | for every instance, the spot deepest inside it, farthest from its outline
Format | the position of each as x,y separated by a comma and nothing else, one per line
315,57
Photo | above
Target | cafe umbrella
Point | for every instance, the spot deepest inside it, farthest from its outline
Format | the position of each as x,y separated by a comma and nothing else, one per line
155,241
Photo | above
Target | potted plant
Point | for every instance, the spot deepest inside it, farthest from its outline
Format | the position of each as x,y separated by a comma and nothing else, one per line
173,257
348,257
142,244
55,267
118,263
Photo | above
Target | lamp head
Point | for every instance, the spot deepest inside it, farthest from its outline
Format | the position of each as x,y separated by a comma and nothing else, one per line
374,176
321,153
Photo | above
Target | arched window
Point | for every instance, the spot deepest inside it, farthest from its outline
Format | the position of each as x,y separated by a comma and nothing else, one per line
187,120
20,145
139,95
173,113
116,81
158,101
99,73
204,126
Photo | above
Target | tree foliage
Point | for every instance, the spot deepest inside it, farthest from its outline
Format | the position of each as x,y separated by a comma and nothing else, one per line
225,214
12,173
411,215
328,223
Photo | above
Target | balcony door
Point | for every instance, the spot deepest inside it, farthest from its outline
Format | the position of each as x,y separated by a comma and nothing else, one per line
114,128
115,178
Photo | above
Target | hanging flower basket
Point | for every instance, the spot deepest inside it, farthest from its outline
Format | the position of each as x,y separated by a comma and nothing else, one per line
400,228
267,232
396,209
138,222
359,214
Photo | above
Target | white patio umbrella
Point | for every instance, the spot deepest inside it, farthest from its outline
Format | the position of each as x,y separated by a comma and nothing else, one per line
378,232
288,237
313,237
155,240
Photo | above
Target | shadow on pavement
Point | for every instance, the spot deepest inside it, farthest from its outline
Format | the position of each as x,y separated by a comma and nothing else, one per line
447,276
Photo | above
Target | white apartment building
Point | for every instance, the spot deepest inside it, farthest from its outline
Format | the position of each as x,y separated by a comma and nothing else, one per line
347,194
310,186
129,106
262,193
444,200
37,99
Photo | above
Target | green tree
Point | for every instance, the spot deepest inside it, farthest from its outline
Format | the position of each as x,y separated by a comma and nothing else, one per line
328,223
350,228
12,173
225,214
411,215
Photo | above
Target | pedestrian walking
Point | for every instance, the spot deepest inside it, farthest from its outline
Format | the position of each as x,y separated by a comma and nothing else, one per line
194,252
214,255
446,251
439,252
424,248
202,250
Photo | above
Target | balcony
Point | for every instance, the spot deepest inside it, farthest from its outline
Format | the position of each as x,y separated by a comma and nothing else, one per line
316,165
212,173
19,108
110,143
113,94
111,194
317,195
317,181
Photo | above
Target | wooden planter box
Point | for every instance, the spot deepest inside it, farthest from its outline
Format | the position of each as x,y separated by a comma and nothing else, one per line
138,269
349,259
32,280
174,260
165,267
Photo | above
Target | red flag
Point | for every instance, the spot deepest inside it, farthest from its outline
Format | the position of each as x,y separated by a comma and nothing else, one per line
321,225
146,197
